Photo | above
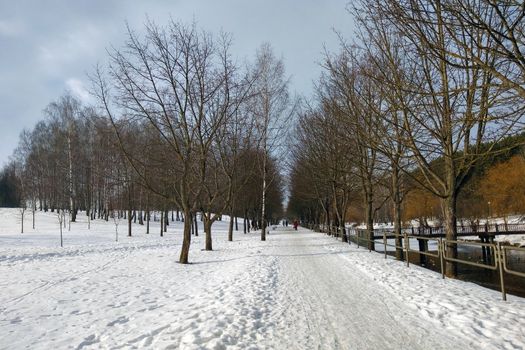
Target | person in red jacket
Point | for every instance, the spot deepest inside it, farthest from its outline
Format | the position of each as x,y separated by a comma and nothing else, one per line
295,224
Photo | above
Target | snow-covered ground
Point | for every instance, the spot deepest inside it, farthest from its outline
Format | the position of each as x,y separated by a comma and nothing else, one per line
297,290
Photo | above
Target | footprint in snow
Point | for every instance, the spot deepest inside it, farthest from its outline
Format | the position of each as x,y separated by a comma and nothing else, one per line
90,340
16,320
120,320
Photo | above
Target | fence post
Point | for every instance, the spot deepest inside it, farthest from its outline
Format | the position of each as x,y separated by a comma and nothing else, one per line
484,239
422,257
440,252
407,248
357,237
500,256
384,242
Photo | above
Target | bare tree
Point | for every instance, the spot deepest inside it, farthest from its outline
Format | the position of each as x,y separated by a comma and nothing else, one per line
223,139
175,80
272,107
502,24
458,106
390,69
63,113
350,94
323,158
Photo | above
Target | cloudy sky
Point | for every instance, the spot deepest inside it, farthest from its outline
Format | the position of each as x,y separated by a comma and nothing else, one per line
48,47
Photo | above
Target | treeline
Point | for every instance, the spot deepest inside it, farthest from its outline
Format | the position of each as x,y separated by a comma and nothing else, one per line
420,99
9,187
178,126
494,188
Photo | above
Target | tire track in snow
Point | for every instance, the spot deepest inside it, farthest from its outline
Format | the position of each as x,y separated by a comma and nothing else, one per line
72,252
73,276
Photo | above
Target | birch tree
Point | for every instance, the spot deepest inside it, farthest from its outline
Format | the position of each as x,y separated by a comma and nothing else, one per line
272,107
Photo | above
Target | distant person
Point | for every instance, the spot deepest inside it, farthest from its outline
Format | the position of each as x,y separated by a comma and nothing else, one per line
295,224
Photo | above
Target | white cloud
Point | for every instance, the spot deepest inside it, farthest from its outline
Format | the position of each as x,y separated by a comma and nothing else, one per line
48,46
78,89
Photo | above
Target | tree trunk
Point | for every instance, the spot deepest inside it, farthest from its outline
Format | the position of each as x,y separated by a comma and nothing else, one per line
397,213
22,222
369,216
71,185
162,223
449,214
207,231
130,219
328,229
263,205
230,227
339,212
186,240
196,224
344,238
61,237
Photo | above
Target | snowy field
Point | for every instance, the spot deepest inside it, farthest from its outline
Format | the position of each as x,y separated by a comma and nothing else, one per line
297,290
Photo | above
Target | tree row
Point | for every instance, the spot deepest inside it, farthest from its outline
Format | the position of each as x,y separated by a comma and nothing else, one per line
178,125
423,94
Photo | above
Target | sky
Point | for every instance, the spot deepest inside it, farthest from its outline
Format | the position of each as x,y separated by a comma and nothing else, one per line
49,47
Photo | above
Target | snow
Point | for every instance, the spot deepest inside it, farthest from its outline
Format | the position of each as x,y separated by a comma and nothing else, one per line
297,290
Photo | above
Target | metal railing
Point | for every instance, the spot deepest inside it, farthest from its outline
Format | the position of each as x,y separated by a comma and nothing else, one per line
499,252
386,244
462,230
504,249
359,238
496,252
439,255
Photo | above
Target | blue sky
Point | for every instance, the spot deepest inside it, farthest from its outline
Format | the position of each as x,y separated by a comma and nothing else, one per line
48,47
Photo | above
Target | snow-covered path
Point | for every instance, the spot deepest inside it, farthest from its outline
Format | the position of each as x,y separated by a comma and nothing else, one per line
298,290
334,305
